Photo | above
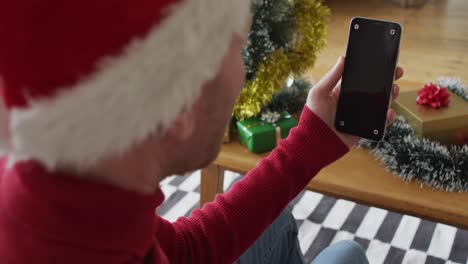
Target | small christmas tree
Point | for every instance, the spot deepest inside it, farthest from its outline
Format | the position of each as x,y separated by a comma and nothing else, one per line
284,39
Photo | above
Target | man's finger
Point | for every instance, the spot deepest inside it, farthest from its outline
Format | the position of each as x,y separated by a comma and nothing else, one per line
391,116
399,73
329,81
336,91
395,91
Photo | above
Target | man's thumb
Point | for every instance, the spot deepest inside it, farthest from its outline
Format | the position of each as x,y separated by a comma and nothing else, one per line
329,81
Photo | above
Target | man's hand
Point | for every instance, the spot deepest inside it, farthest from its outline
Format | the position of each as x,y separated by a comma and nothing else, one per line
323,99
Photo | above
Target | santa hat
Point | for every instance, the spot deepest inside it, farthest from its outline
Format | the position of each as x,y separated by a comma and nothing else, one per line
85,79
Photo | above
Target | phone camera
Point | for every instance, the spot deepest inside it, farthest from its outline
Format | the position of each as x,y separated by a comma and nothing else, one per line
392,32
341,123
356,26
376,132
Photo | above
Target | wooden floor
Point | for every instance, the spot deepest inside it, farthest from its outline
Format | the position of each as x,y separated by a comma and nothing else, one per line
434,42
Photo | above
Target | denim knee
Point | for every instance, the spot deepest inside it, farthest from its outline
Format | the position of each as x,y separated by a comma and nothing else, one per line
343,252
351,249
277,245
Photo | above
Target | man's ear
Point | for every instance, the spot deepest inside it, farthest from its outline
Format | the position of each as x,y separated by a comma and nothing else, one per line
184,126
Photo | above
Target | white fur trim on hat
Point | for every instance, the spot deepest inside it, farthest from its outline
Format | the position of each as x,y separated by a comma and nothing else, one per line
133,94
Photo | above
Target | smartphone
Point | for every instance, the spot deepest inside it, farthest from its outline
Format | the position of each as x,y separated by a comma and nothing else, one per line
368,76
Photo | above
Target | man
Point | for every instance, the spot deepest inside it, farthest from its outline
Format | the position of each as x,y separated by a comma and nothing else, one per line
104,99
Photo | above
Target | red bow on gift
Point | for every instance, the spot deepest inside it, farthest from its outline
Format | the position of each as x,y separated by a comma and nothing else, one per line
434,96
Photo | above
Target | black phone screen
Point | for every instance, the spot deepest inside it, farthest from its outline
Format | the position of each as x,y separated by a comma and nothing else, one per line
368,76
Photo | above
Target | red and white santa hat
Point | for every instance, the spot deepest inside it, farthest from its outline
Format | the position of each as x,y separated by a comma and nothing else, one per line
84,79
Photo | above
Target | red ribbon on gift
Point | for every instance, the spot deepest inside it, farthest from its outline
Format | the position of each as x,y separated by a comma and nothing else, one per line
433,96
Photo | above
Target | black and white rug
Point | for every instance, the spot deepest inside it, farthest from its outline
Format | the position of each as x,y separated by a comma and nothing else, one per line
388,237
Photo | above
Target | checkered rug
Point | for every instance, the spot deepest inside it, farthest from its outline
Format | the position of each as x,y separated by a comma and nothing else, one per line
388,237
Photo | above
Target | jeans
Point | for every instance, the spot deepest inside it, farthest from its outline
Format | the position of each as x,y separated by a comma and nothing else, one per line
279,244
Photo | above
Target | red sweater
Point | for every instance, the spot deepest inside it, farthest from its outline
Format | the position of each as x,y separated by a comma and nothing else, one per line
52,218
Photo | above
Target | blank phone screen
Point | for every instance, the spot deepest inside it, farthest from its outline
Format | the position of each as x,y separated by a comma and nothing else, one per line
368,77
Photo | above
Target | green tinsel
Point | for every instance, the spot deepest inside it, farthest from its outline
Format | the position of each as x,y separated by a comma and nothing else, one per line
455,85
272,29
290,99
285,38
414,158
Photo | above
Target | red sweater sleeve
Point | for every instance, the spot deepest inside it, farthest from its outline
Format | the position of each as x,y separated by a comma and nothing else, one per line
222,230
54,218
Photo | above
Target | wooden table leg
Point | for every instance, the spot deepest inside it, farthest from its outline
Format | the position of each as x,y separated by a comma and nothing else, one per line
212,180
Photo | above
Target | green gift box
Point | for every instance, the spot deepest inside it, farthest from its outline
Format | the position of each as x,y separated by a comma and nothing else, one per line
261,136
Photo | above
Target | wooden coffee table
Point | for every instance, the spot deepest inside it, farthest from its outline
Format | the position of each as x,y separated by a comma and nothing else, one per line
357,177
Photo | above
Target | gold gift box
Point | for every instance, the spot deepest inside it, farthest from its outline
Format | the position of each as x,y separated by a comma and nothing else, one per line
441,124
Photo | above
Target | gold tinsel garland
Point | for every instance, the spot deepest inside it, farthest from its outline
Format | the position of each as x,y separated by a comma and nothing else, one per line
311,26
